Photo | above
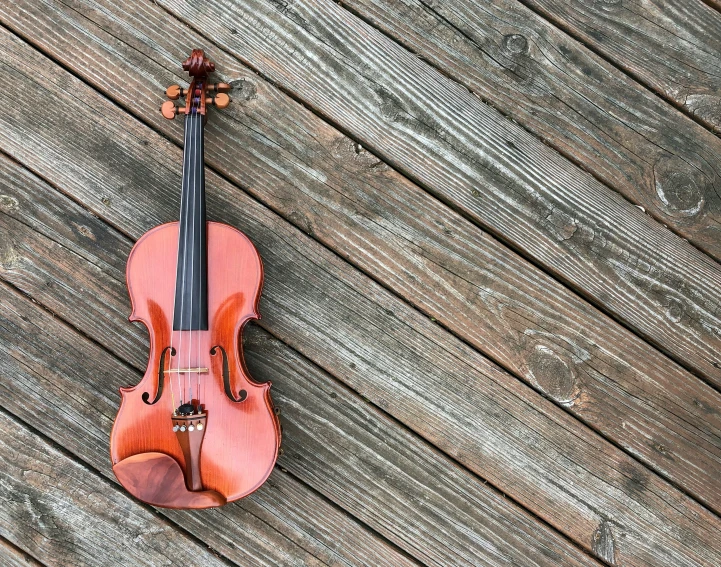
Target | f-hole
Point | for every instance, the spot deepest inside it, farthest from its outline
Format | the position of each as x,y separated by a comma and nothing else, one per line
161,377
242,394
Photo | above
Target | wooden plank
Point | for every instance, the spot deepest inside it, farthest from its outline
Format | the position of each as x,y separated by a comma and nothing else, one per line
670,46
11,556
323,422
497,302
491,169
83,520
352,327
74,382
332,440
573,100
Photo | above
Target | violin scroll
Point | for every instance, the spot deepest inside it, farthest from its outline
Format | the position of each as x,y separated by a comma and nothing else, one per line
198,66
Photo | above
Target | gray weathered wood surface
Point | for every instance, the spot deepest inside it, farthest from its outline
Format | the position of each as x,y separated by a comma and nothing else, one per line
573,100
491,169
526,321
448,396
673,46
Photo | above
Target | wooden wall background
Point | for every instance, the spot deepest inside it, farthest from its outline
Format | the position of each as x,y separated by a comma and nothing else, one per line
492,311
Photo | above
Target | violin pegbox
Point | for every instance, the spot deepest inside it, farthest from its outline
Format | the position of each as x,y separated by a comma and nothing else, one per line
199,93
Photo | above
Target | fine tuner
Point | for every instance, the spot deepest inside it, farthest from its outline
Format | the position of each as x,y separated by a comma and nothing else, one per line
217,92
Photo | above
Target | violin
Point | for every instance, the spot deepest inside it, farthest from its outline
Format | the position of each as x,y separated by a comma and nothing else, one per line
196,431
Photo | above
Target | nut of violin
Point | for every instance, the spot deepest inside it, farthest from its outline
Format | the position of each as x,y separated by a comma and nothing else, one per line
174,92
221,100
168,109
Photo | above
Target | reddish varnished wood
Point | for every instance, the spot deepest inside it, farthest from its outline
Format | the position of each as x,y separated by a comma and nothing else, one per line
139,474
241,438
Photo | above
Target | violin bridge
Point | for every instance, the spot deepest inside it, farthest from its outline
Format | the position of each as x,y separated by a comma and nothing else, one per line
186,371
190,430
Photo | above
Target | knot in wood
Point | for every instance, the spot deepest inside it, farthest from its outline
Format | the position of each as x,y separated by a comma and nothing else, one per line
515,44
675,310
553,374
679,186
391,107
243,89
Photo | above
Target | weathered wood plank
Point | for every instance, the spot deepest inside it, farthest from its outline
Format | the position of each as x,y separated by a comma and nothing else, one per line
375,343
56,369
11,556
58,510
672,46
332,439
448,268
418,490
494,171
573,100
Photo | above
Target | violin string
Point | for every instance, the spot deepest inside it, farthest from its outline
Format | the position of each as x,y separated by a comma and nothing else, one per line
201,184
184,235
175,284
192,254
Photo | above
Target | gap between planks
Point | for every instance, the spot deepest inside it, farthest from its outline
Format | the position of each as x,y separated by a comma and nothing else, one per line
138,372
134,365
571,272
544,9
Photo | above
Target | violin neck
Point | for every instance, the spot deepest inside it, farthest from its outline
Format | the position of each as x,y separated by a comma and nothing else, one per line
191,286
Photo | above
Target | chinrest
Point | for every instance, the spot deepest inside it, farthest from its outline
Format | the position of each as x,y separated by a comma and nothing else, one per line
157,479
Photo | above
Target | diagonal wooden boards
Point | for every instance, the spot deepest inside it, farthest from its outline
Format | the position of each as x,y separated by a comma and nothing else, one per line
573,100
492,170
333,440
314,177
59,511
12,556
671,46
65,386
375,343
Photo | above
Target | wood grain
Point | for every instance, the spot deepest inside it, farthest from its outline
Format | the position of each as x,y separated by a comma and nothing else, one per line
12,556
352,327
55,508
573,100
74,382
671,46
496,173
343,196
324,424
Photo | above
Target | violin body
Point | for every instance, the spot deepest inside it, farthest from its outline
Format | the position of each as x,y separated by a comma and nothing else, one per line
197,431
242,438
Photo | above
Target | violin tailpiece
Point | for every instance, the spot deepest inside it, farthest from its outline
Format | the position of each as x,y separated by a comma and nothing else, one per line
190,431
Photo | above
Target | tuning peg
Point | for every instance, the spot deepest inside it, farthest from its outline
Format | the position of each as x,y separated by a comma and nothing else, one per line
221,100
218,88
174,92
169,110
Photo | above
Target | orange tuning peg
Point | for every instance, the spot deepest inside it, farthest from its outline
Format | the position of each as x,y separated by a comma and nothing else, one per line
169,110
221,100
218,88
174,92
